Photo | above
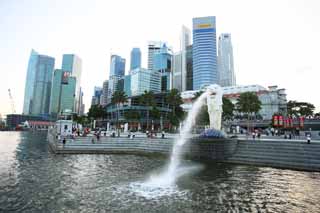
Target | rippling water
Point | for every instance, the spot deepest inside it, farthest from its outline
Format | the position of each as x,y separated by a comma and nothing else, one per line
34,180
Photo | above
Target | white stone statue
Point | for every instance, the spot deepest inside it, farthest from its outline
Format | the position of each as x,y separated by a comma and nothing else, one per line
214,102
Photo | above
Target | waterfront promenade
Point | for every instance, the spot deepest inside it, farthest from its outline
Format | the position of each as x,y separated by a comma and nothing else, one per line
267,151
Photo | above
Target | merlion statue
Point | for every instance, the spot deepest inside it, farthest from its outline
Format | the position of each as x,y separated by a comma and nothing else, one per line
214,102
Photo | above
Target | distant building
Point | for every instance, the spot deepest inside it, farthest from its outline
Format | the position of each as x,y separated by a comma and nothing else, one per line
38,84
162,62
14,120
73,64
135,61
185,41
96,96
155,47
105,91
189,60
117,66
177,71
204,52
63,93
145,80
225,61
127,85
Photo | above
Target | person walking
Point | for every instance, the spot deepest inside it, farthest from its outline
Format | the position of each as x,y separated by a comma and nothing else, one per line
309,138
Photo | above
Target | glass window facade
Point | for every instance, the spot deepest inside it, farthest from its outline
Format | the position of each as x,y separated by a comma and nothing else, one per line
145,80
204,52
135,58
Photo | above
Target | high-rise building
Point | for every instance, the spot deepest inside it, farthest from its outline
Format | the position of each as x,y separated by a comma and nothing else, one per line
96,96
225,61
204,52
135,58
38,84
145,80
127,85
81,104
105,89
117,66
162,62
73,64
176,71
185,41
189,59
155,47
63,93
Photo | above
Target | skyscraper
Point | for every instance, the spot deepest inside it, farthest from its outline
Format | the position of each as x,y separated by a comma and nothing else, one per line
162,62
63,92
117,66
176,71
38,84
189,60
73,64
185,41
144,80
204,52
225,61
105,89
135,58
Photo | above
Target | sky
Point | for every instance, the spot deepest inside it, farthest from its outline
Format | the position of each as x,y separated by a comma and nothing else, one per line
275,42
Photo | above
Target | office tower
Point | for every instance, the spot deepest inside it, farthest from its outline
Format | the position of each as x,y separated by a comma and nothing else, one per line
145,80
96,96
162,62
135,58
176,71
63,93
117,66
117,70
127,85
185,41
81,111
73,64
155,47
38,84
225,61
204,52
189,60
105,88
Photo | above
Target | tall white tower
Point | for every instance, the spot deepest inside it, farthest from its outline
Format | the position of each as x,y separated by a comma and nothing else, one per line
185,41
225,61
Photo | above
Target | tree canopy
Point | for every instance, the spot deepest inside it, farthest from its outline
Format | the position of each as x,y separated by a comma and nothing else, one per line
119,97
96,111
248,102
227,109
295,108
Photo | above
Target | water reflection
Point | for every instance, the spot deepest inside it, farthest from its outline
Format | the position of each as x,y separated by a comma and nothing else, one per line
34,180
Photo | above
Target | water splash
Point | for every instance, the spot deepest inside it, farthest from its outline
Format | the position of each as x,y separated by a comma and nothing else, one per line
164,184
172,173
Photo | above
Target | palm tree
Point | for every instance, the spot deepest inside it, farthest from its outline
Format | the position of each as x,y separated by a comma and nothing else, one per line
118,98
147,99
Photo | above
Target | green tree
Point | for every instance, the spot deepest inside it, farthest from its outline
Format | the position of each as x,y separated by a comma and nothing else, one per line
96,111
147,99
248,103
295,108
174,101
203,116
118,98
227,109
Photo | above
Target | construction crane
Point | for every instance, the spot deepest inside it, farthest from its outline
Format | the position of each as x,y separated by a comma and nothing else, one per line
12,102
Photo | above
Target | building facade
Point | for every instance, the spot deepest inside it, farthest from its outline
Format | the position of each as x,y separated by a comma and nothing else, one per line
177,71
189,60
105,92
63,93
145,80
225,61
96,98
117,66
185,41
204,52
73,64
135,61
162,63
38,85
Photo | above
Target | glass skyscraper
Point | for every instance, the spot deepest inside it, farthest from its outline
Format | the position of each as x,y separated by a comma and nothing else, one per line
63,92
73,64
135,58
117,66
204,52
145,80
225,61
38,84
